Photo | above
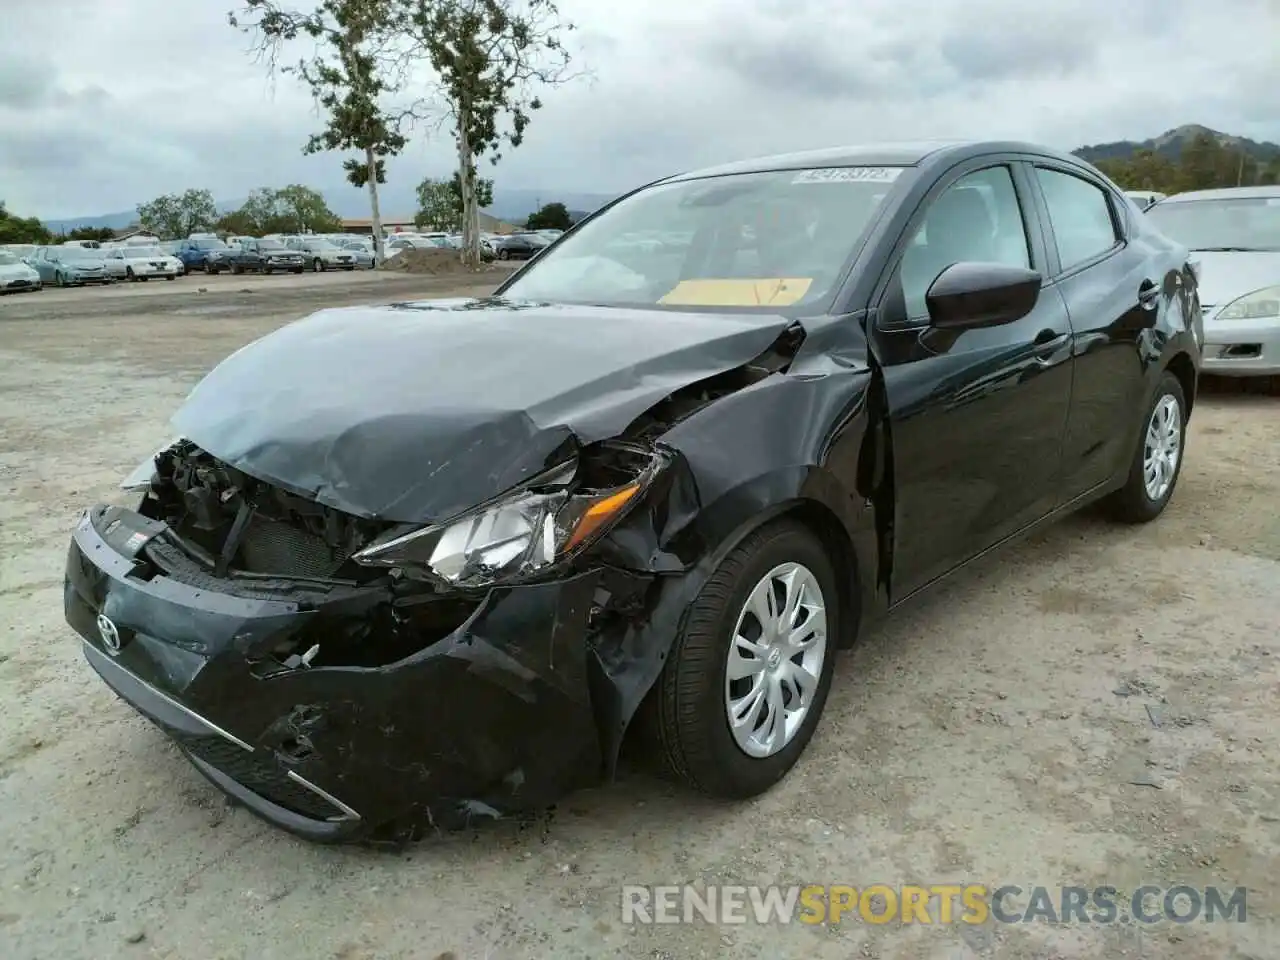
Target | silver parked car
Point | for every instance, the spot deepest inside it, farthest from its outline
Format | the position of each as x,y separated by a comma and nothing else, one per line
1235,235
67,266
15,275
360,249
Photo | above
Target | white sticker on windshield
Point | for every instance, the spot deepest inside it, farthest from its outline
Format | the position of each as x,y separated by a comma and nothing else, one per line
848,175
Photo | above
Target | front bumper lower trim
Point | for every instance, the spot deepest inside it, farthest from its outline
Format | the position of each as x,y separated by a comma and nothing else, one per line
347,812
122,681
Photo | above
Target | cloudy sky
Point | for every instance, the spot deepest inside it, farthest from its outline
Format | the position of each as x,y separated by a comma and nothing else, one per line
108,103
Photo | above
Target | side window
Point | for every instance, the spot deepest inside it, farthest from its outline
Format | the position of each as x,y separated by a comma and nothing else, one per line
1080,215
977,218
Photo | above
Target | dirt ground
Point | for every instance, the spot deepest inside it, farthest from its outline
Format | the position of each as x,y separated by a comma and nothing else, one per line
1096,706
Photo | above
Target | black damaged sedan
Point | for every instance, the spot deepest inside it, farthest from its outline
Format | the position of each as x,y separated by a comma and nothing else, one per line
409,566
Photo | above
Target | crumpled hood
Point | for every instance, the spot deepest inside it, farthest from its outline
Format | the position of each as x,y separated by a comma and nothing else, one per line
1226,276
416,412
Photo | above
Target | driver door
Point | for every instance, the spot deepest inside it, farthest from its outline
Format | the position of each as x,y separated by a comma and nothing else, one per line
977,417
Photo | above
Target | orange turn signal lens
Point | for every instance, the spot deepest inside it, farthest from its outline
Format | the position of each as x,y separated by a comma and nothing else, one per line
599,514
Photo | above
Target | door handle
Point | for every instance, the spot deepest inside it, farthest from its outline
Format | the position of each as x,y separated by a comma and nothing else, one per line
1046,337
1148,295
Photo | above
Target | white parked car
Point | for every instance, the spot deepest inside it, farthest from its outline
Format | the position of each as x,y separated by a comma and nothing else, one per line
1234,233
15,275
141,263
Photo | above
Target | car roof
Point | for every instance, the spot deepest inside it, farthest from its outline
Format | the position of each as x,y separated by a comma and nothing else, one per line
893,154
1225,193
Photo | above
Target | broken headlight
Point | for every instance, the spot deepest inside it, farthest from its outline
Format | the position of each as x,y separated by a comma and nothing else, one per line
523,533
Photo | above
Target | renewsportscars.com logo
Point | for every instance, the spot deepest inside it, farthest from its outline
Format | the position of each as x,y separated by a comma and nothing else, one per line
932,904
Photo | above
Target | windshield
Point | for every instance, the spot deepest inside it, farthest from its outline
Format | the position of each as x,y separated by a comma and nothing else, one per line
211,245
80,253
1244,223
140,253
321,245
753,240
273,248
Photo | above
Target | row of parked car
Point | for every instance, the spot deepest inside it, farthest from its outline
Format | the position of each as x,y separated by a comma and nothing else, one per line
140,258
76,263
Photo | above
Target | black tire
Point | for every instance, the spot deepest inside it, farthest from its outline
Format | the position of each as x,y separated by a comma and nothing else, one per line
504,255
174,277
129,274
1132,503
59,280
687,706
267,271
297,270
236,269
317,265
144,279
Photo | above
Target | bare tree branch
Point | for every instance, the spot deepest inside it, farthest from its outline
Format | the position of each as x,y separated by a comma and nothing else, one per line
488,58
350,73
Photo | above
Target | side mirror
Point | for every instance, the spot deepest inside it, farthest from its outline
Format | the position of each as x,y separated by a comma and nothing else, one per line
970,295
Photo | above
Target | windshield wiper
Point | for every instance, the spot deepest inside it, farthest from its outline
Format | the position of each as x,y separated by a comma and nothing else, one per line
1230,249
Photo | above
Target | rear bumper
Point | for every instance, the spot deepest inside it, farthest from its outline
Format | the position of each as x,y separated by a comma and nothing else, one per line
493,717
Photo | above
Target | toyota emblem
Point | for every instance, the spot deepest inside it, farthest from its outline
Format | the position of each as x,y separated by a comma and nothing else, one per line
110,634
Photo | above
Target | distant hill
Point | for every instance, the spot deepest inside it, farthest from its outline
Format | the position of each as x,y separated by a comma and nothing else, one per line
1169,145
397,200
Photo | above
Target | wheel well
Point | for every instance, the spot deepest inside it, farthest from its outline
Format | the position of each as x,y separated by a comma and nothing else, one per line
823,523
1181,367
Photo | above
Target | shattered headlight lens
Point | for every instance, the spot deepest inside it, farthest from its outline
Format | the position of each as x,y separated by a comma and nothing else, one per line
1260,304
512,538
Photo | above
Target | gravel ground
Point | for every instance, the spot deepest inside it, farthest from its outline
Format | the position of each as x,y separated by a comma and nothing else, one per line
977,737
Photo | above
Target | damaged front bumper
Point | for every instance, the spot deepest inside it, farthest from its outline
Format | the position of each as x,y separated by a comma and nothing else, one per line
490,716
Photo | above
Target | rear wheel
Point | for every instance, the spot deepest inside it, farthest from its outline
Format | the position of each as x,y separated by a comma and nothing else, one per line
1157,463
317,265
747,678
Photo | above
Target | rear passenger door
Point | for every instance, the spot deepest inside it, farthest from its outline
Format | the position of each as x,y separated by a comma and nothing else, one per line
1110,296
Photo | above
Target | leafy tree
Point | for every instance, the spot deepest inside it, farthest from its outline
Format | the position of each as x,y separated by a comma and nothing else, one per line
176,216
237,224
436,207
553,216
440,202
22,229
348,77
1203,163
91,233
305,210
293,209
487,56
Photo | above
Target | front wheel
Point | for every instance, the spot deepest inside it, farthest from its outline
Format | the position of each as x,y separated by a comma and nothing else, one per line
747,678
317,265
1157,463
504,255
